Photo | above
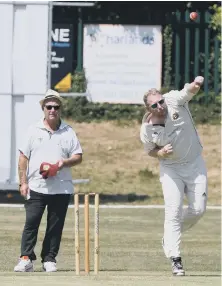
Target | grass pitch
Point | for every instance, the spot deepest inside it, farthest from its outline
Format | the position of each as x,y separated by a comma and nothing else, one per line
130,250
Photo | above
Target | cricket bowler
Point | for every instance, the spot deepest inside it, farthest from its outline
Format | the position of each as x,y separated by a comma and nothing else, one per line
169,134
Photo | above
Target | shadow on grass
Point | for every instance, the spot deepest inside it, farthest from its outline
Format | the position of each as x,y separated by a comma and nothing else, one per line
115,198
203,275
82,272
13,197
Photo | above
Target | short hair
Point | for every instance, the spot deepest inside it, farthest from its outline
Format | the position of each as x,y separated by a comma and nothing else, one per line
152,91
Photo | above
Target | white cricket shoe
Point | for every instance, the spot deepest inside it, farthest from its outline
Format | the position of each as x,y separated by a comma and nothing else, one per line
49,266
24,265
177,266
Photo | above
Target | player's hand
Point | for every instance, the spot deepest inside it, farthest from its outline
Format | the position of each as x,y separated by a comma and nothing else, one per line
60,164
199,80
48,170
166,151
24,190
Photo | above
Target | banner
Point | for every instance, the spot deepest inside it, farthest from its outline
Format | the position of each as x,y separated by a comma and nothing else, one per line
61,57
122,62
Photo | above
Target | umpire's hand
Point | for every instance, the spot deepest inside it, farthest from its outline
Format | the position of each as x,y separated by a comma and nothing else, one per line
49,170
24,189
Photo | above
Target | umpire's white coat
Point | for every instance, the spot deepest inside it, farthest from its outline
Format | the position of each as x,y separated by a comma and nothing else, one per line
183,172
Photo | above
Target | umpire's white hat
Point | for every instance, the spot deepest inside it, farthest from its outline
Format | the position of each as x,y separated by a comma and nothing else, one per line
51,94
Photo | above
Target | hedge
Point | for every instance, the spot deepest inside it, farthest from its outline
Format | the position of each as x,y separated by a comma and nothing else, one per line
81,110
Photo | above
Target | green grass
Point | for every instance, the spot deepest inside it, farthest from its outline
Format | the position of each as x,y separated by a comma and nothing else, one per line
130,250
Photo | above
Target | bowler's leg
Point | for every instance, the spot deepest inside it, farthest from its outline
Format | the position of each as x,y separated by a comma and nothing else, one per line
173,192
197,193
197,201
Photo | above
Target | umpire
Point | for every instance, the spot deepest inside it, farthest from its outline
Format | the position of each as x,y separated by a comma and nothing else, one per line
50,149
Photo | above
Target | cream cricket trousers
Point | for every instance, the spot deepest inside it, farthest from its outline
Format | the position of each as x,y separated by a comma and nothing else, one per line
188,179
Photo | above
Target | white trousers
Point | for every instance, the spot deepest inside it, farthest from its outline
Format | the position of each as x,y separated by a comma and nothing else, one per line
188,179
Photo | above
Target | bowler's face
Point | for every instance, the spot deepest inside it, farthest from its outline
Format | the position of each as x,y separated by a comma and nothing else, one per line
52,109
157,104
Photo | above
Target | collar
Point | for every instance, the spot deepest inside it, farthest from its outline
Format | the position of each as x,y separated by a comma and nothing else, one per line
40,124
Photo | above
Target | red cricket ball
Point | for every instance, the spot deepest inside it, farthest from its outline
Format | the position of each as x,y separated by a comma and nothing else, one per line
193,16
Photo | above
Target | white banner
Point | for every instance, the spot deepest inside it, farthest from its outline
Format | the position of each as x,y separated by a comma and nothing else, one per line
122,62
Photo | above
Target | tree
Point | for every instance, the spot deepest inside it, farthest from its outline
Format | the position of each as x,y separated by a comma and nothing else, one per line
216,19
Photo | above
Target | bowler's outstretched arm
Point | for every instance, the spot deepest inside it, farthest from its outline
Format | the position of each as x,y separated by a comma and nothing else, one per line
179,97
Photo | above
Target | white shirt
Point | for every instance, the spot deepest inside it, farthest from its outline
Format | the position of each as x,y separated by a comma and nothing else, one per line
179,130
43,146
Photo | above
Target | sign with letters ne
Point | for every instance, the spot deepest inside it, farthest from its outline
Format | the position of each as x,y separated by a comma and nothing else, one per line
122,62
61,57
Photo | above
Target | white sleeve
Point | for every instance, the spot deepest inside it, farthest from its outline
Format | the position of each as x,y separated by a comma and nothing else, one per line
74,147
144,137
26,145
178,97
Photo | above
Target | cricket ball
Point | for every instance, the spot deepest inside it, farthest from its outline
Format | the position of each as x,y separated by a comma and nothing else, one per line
193,16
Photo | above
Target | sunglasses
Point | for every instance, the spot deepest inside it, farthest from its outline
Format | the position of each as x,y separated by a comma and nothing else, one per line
50,107
156,104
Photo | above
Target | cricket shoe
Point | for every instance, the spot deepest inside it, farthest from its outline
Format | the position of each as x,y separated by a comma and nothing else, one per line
177,266
24,265
49,266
